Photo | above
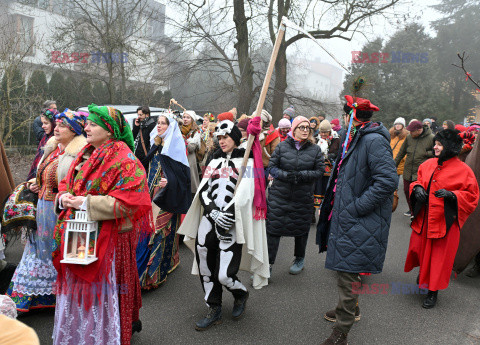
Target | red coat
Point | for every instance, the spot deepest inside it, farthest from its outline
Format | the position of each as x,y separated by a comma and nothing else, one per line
432,245
454,176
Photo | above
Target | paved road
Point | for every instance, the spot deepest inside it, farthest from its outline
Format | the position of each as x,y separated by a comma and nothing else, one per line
290,310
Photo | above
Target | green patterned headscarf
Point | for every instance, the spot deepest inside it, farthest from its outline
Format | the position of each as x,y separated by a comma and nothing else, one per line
112,120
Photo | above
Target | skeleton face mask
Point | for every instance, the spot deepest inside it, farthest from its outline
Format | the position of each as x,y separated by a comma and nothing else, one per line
224,128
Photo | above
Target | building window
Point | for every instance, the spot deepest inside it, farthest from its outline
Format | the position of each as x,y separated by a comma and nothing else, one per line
25,35
145,28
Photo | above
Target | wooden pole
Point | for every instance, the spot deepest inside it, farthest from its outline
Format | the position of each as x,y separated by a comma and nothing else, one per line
263,95
176,103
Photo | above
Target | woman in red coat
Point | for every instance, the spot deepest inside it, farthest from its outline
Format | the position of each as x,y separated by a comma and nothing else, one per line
444,195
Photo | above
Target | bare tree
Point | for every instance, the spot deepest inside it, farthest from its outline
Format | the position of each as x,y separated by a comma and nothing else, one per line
16,44
328,18
205,26
121,34
218,44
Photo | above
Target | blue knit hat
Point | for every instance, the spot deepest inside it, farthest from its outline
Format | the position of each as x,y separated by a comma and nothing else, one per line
290,111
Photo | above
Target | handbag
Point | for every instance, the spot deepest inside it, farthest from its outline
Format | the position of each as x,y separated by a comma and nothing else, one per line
202,149
395,201
20,209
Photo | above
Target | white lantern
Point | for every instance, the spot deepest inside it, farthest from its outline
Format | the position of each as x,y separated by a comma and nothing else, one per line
80,240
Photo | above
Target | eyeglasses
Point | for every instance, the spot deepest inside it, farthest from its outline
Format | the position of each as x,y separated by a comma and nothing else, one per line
304,128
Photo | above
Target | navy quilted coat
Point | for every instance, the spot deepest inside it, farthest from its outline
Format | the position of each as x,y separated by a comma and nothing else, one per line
290,198
357,232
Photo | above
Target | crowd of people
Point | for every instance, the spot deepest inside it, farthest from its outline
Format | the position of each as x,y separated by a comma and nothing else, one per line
169,180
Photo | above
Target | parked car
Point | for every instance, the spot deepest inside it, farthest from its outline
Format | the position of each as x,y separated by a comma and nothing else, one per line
130,112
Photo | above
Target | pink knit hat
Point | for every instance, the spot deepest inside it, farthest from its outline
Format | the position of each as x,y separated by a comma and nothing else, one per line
284,123
297,121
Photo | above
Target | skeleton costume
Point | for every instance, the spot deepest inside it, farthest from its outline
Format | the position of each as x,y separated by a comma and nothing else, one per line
220,226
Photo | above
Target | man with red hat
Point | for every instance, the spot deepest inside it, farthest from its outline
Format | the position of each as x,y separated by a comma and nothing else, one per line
357,209
418,147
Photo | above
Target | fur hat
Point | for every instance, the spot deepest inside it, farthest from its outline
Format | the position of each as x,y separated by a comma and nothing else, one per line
317,122
284,123
451,142
399,121
227,127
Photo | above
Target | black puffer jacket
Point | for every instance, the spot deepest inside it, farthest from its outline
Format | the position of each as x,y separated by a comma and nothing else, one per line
290,199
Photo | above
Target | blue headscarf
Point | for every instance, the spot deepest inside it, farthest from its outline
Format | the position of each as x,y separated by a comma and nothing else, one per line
75,121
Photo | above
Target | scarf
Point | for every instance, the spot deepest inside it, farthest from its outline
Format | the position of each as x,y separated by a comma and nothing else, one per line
271,135
186,129
112,120
259,198
337,128
111,170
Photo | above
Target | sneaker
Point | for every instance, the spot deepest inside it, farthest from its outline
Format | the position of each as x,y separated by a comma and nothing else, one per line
239,307
214,317
408,214
330,315
336,338
297,266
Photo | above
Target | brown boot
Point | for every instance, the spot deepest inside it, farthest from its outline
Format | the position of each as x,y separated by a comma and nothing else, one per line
336,338
330,315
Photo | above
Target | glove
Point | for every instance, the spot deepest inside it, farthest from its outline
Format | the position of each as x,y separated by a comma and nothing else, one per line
420,194
222,219
446,194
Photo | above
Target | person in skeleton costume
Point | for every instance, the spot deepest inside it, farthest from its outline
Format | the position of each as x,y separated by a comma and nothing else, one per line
226,230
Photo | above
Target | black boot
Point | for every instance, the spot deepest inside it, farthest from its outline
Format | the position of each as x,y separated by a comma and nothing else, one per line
430,300
239,307
136,326
214,317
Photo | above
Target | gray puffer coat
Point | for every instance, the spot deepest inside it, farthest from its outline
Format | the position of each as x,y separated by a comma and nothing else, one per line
357,232
290,198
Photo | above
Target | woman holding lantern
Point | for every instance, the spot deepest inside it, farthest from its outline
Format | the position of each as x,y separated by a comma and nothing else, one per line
32,285
109,183
169,184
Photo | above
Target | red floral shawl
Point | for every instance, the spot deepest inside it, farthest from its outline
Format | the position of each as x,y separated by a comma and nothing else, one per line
112,170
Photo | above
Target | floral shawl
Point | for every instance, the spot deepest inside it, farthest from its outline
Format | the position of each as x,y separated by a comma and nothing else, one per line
112,170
